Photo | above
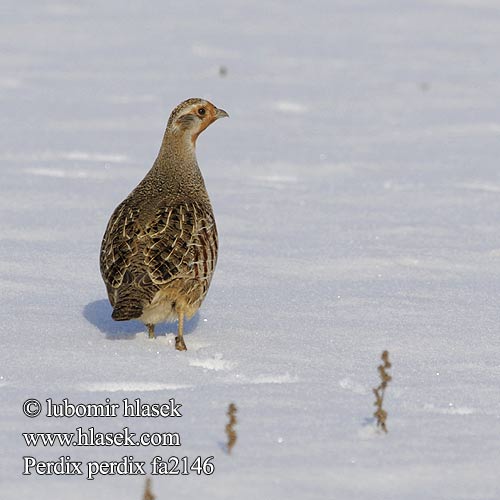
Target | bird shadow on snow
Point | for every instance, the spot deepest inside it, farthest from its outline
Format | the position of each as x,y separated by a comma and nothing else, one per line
99,314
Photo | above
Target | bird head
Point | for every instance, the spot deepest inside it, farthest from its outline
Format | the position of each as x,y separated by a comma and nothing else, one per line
193,116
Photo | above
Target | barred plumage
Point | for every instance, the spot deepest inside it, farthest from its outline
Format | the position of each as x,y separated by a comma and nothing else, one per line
159,250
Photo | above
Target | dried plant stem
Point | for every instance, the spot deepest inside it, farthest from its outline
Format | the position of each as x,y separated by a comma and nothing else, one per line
230,432
380,414
148,494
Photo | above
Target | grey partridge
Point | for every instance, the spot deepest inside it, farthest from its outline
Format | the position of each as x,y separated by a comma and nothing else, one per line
159,250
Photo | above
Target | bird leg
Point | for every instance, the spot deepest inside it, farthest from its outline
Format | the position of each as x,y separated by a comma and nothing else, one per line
151,331
179,340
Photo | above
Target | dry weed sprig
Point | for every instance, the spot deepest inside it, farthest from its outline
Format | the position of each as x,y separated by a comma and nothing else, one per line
148,494
230,432
385,378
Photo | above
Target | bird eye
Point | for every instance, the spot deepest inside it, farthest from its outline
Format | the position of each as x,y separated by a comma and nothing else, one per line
201,111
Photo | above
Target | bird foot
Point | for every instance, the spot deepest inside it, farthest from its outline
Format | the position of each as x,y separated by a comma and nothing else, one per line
179,344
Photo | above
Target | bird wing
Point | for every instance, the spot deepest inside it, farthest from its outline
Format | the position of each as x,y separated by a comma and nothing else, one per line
119,246
181,243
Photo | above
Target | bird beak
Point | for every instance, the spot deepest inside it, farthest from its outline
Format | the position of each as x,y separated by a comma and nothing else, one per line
221,114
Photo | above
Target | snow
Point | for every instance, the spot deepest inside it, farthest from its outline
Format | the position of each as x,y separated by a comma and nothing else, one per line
356,191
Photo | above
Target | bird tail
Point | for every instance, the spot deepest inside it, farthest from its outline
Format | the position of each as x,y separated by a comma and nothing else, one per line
127,310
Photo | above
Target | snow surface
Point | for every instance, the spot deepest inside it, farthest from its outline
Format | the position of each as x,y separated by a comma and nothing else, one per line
356,188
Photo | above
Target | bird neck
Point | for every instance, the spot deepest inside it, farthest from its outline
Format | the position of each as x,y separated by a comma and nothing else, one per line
178,144
176,166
